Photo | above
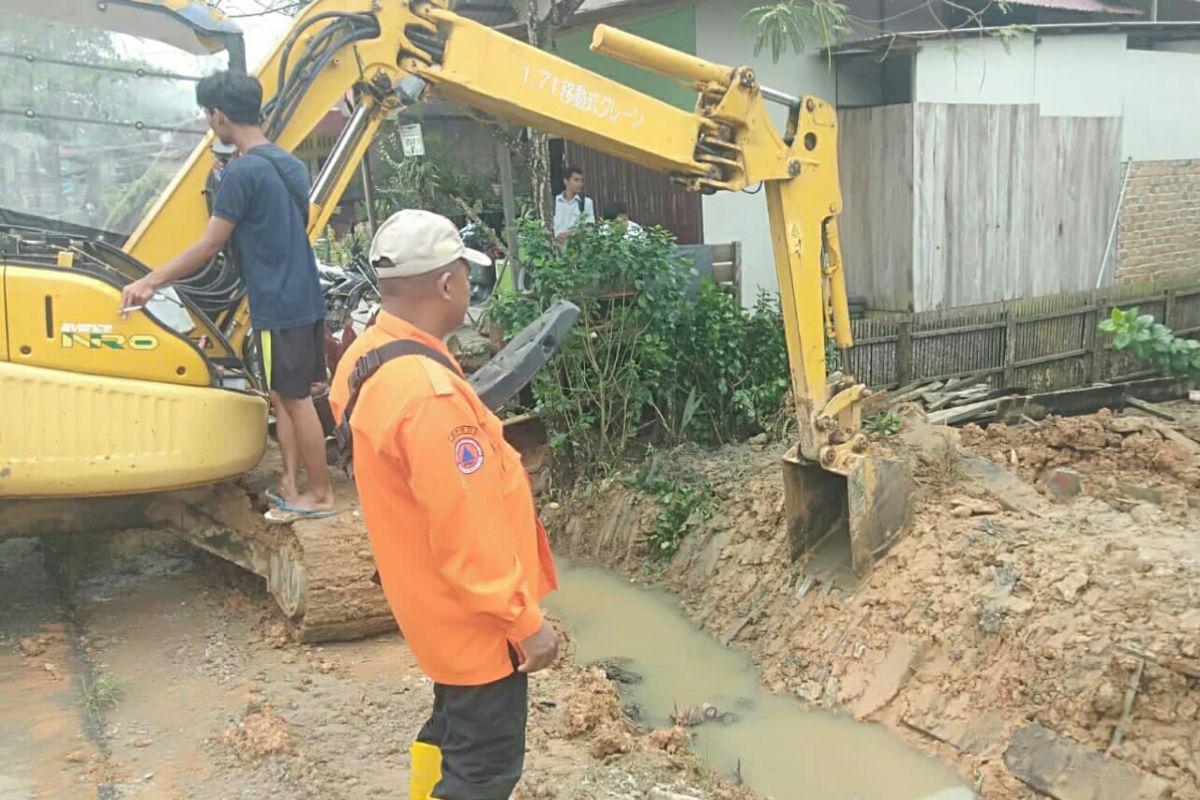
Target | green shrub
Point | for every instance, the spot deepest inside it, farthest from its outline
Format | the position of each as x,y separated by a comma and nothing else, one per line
1153,343
885,423
644,359
680,503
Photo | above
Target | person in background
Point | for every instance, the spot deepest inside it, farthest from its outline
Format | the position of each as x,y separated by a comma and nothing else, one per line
262,205
462,557
571,205
617,213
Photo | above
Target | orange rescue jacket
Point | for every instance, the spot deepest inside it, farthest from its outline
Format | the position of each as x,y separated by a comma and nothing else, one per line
461,554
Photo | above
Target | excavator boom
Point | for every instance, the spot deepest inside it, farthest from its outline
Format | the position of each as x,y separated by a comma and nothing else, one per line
376,56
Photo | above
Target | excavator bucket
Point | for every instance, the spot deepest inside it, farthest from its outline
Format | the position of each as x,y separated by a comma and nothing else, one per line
840,525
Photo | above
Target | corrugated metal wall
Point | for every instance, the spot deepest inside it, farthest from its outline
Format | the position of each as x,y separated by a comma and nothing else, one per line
650,195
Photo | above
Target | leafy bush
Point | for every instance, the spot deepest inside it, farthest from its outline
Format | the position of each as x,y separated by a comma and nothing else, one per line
885,423
731,368
1153,343
600,389
643,358
681,504
432,181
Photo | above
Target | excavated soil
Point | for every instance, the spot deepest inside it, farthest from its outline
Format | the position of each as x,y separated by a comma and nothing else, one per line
1010,602
144,669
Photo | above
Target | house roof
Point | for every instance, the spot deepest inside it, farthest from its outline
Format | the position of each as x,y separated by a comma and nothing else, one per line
890,42
1081,6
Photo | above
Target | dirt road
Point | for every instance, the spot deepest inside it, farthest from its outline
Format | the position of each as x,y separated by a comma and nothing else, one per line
133,667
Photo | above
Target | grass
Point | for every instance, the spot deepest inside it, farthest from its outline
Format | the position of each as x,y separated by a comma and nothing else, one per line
103,693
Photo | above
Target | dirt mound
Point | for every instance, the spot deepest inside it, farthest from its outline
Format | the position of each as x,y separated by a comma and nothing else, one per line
1116,455
991,614
259,734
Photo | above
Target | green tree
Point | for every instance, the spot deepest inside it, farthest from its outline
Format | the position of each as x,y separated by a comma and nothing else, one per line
794,24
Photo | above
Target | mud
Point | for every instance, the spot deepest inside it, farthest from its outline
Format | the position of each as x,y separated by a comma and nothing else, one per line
1002,607
684,677
205,693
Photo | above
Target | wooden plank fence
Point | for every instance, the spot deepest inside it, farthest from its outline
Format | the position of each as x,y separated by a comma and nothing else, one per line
1040,344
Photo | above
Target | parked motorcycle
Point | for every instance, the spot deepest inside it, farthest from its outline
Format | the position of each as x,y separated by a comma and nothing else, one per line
483,279
351,292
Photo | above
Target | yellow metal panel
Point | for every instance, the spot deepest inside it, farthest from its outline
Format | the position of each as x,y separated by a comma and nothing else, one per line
506,77
66,319
3,318
799,210
84,435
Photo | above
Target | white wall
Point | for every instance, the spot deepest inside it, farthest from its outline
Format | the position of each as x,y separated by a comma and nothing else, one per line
976,71
1162,117
722,37
1092,75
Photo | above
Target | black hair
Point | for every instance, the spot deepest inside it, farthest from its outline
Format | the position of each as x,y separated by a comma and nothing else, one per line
571,172
615,208
237,96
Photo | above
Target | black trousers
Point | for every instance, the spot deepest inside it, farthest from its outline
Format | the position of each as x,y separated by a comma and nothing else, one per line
481,733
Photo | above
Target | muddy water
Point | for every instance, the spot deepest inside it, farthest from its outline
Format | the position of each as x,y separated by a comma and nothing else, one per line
784,751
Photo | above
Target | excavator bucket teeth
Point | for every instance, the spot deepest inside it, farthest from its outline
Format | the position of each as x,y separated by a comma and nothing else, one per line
842,524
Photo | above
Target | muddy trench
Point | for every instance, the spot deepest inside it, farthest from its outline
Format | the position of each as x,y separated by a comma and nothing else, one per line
1038,630
133,665
670,673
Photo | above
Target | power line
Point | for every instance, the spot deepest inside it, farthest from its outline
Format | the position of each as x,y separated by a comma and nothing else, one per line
284,9
31,115
137,72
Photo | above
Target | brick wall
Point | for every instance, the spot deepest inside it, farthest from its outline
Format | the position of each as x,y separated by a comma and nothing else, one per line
1159,232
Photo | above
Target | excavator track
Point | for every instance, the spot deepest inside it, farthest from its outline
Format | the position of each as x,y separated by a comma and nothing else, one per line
318,571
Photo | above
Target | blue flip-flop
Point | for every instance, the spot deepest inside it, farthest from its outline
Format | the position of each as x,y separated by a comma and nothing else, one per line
285,513
276,498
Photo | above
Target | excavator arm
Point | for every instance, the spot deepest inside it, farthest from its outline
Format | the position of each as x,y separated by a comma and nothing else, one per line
393,54
377,56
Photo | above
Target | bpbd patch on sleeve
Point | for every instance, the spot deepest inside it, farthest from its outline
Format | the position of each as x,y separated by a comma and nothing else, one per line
468,452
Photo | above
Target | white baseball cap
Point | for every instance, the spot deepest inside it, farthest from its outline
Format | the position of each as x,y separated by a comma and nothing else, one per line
417,242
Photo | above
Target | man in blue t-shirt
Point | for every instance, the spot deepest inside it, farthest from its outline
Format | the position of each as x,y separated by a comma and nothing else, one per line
262,205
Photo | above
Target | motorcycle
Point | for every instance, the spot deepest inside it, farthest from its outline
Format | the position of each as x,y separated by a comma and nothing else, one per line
351,292
352,303
483,279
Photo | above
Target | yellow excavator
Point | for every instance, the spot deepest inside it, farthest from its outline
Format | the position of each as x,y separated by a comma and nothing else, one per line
96,405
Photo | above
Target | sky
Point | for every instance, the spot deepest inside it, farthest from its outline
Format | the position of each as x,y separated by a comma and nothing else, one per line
261,33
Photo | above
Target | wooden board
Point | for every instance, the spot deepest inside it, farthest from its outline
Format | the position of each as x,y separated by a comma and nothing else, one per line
1066,770
1008,203
875,157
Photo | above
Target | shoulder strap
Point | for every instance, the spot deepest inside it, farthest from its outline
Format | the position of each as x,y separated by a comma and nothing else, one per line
368,364
300,202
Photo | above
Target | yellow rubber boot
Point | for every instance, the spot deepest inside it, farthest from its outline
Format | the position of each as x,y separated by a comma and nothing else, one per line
426,770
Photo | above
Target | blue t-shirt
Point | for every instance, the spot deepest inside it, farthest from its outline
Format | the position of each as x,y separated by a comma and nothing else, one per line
270,240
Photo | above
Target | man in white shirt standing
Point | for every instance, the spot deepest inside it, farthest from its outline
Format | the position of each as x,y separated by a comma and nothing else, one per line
571,205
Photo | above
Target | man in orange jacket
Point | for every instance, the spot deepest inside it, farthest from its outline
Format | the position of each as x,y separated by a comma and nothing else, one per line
461,554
